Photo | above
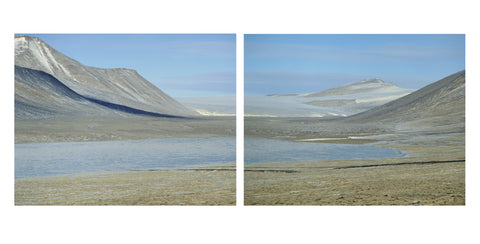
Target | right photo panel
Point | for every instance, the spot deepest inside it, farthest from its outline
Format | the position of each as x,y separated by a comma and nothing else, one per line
354,119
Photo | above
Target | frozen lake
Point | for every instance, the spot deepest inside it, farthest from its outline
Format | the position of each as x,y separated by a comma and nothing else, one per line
261,150
50,159
61,158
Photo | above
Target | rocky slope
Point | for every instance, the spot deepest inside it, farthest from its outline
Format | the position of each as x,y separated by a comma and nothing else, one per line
38,94
120,89
438,106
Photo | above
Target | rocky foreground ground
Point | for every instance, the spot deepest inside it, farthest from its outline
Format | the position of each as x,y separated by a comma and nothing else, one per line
433,176
65,129
213,185
432,173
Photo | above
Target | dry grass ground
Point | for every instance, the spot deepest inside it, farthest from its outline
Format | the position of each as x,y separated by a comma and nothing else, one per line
200,186
430,175
62,129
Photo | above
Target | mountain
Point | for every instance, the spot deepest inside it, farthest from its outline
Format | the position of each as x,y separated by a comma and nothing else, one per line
436,106
372,85
38,94
119,89
343,100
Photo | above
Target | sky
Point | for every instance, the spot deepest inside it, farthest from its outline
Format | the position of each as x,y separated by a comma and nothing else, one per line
301,63
182,65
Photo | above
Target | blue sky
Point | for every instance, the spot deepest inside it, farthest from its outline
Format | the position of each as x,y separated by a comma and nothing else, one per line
182,65
307,63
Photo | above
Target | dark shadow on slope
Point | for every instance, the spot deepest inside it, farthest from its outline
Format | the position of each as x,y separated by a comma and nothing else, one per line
59,88
40,80
130,110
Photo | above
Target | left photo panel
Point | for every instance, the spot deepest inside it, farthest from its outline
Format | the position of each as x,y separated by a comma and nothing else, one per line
125,119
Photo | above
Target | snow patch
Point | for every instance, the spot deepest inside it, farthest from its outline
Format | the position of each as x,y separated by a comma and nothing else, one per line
380,98
338,138
21,45
260,115
321,139
208,113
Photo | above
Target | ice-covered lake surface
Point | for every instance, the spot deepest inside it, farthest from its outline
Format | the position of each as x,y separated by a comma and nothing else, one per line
62,158
261,150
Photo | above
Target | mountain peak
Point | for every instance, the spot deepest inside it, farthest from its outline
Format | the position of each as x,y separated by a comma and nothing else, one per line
33,53
24,41
26,37
21,43
370,81
362,86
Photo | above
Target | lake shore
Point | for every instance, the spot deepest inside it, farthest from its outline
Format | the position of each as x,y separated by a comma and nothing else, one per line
429,175
209,185
202,185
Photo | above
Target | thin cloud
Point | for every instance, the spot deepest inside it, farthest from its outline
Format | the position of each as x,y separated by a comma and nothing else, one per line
292,82
402,50
215,82
274,50
396,52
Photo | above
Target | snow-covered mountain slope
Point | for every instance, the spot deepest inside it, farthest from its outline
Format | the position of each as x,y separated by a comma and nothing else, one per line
124,87
375,85
344,100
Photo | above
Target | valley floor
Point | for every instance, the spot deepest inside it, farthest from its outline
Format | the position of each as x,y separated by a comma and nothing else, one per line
194,186
433,173
401,181
64,129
